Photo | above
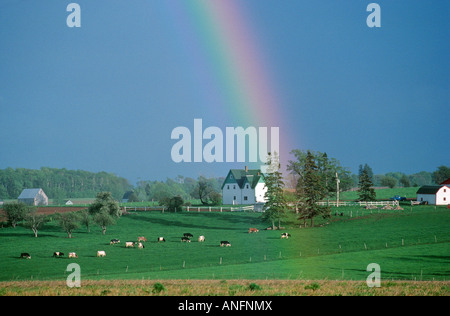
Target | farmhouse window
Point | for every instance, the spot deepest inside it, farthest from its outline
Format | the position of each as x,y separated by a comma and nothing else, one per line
228,187
234,197
245,198
234,187
247,187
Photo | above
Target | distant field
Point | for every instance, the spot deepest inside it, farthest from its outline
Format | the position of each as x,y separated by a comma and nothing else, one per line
383,194
407,246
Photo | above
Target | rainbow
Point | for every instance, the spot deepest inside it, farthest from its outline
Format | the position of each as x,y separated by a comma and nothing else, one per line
227,58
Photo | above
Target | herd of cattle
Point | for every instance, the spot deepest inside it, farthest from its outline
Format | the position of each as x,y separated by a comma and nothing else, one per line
131,244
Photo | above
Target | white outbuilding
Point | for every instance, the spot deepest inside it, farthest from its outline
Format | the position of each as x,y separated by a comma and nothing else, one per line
434,194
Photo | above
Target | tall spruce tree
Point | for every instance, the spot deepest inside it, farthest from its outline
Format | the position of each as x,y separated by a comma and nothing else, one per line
312,187
276,205
366,192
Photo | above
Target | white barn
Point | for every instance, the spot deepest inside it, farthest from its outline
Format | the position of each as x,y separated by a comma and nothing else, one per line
434,194
33,197
244,187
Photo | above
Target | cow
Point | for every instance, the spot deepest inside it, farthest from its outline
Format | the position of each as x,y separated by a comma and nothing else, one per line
141,245
101,253
185,239
285,235
189,235
225,243
72,255
142,239
129,244
161,239
252,230
201,238
58,254
114,241
25,255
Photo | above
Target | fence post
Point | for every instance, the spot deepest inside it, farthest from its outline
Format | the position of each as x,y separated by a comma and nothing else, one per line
221,209
187,208
210,208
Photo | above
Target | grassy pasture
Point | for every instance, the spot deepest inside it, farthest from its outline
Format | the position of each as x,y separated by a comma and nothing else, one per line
407,246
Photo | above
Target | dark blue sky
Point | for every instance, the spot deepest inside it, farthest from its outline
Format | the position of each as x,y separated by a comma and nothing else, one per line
106,96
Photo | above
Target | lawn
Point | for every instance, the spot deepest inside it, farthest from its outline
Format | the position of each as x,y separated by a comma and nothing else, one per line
407,246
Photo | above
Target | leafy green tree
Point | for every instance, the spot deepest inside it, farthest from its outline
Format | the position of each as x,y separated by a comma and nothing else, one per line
34,220
68,222
404,181
276,206
85,219
173,204
15,212
366,192
103,219
388,181
104,202
104,210
441,174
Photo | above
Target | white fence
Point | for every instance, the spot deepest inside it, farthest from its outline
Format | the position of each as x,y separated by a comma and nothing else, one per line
361,203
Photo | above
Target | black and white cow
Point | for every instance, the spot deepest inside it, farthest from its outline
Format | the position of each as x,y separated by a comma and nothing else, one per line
25,255
225,243
161,239
58,254
185,239
114,241
189,235
285,235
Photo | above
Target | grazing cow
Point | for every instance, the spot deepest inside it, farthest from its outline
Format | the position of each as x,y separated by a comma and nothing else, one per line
253,230
101,253
201,238
141,245
129,244
114,241
25,255
285,235
189,235
161,239
142,239
225,243
58,254
72,255
185,239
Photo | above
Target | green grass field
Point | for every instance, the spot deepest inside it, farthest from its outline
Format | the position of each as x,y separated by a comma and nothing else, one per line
407,246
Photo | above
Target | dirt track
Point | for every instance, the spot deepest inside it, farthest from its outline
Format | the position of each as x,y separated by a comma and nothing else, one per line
52,210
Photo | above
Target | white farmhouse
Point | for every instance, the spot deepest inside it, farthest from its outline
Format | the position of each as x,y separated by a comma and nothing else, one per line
244,187
434,194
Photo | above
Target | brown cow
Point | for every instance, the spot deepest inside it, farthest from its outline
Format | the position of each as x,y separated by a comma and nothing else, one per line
142,239
253,230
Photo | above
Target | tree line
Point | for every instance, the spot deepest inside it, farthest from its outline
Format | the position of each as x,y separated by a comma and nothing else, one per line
59,184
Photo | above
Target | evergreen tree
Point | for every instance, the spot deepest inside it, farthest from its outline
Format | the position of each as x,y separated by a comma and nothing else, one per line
366,192
276,205
313,190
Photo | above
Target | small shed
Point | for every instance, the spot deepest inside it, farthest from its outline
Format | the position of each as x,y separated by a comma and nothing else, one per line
434,194
33,197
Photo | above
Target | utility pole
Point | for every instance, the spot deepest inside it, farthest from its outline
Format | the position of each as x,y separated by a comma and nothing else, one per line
337,190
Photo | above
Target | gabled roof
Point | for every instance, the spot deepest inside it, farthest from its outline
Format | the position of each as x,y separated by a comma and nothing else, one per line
429,189
29,193
241,177
446,181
